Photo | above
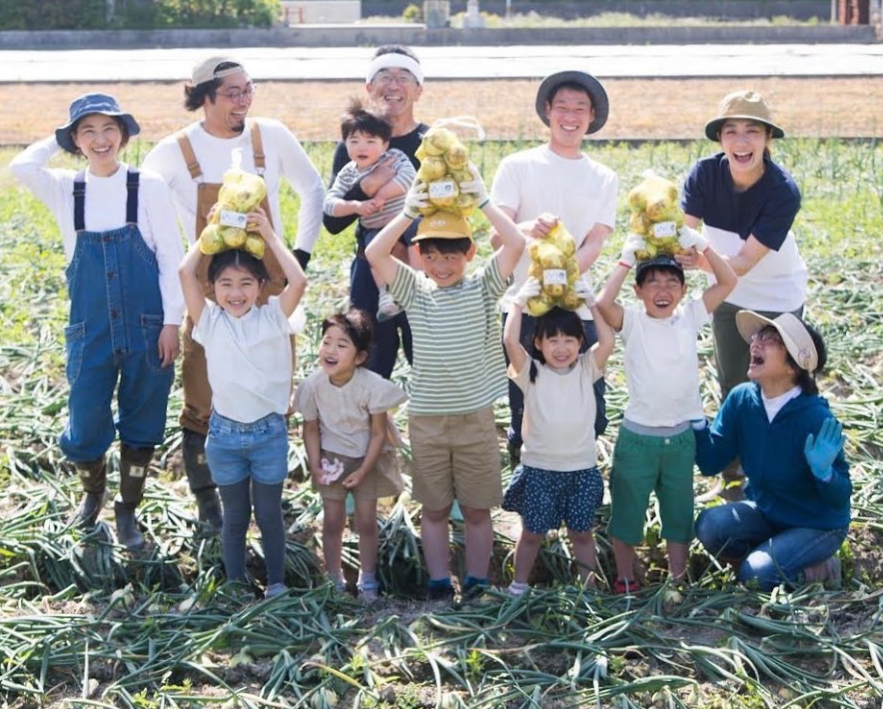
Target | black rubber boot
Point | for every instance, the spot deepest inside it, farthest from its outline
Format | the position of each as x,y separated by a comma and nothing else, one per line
134,464
93,476
199,478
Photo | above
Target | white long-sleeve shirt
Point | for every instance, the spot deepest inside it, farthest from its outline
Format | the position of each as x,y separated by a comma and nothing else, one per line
106,210
284,158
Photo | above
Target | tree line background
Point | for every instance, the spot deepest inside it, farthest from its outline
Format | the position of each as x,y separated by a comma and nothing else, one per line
134,14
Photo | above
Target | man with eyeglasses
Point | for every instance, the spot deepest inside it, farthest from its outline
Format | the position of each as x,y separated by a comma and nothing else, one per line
193,162
394,82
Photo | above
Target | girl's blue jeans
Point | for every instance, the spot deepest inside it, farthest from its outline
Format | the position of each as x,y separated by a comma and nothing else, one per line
249,462
771,554
235,451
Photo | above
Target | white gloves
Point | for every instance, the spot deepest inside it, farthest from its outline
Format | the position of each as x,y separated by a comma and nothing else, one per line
530,289
633,243
586,290
690,238
475,186
415,200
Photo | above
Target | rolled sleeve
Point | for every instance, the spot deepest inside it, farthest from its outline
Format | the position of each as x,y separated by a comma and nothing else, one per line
305,400
494,283
774,223
404,286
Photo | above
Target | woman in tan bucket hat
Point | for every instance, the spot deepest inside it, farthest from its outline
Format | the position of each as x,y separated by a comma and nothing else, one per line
797,510
746,203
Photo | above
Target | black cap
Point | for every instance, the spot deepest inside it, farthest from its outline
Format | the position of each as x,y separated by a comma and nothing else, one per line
660,261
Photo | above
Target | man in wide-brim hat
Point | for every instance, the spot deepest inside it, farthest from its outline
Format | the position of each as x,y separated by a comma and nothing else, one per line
554,182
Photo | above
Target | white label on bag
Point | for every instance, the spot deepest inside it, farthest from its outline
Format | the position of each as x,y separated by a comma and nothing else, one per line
664,229
441,189
554,277
231,218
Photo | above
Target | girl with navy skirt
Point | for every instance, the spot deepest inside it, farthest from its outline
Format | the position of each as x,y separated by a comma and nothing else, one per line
558,479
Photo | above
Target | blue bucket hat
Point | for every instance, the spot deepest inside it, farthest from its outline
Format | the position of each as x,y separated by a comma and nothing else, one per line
87,104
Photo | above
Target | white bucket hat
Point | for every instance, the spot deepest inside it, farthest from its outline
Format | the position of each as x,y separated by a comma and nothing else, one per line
794,334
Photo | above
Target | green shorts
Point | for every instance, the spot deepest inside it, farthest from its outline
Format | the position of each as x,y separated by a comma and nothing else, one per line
641,465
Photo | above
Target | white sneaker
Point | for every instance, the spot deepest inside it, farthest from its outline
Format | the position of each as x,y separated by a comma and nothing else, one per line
368,595
368,591
516,590
275,589
387,308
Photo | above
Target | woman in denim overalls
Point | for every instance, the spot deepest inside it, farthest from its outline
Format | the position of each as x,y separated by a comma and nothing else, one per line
123,248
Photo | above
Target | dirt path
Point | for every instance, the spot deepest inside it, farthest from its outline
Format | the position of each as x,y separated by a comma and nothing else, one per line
640,108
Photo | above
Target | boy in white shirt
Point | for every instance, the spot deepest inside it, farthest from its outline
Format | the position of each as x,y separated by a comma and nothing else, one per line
656,447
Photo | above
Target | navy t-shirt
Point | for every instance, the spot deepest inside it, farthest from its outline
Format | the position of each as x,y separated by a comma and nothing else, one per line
766,210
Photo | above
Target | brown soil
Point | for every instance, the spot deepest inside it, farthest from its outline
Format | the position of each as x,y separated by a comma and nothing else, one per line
641,108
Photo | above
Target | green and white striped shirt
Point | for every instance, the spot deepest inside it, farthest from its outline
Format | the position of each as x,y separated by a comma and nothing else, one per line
458,356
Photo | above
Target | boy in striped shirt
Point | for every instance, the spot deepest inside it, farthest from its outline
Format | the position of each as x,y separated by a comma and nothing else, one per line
458,373
366,135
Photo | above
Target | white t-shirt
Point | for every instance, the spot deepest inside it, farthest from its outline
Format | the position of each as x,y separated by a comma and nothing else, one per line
344,413
662,364
106,210
559,415
580,192
284,158
248,358
775,405
776,283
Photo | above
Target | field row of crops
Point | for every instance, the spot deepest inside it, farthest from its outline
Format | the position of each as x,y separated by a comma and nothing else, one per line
84,624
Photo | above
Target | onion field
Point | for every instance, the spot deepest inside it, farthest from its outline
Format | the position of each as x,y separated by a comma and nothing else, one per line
83,623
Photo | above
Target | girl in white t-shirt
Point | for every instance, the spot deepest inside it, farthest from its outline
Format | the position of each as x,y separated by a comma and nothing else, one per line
344,408
248,355
558,479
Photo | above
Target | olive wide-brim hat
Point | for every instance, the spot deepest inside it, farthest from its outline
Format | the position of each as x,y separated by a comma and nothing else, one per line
593,87
745,105
86,105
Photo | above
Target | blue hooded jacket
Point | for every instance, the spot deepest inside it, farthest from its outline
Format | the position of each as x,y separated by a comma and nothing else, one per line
779,478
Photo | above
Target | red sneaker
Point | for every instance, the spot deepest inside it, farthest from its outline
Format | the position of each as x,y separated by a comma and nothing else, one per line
625,587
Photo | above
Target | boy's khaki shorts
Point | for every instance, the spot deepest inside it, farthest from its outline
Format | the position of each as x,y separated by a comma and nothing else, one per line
456,458
382,481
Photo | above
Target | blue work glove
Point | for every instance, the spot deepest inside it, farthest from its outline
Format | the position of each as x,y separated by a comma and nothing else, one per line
822,450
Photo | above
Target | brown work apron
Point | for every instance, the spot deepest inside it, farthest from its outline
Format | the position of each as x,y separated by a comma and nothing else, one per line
197,392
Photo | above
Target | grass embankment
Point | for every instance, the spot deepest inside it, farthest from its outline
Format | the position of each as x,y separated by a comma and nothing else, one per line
84,624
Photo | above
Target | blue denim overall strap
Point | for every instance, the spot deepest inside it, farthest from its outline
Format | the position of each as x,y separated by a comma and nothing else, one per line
113,278
116,317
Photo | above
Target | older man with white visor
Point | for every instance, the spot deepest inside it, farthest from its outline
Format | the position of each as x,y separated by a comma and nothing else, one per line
394,82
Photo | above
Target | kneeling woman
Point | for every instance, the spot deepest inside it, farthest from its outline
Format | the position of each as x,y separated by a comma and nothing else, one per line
797,510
